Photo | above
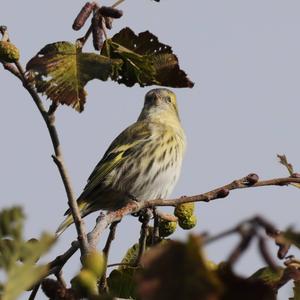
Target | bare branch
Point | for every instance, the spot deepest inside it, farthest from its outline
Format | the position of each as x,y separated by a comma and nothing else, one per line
134,206
34,292
110,238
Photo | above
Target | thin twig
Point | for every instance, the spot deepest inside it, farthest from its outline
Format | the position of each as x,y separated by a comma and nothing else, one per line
145,219
117,3
110,238
155,234
58,157
60,279
12,69
57,264
81,41
34,291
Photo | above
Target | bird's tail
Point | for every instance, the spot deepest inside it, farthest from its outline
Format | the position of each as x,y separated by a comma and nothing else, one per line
64,225
69,219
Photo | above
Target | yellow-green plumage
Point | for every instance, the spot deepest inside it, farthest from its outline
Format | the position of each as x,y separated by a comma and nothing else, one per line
142,163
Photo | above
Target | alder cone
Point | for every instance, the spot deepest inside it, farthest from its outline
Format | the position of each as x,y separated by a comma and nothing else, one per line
9,53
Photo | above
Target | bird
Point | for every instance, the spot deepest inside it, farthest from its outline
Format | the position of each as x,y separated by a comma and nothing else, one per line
142,163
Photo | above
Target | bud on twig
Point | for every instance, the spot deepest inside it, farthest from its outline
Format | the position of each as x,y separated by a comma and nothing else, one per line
83,15
251,179
107,11
222,193
97,30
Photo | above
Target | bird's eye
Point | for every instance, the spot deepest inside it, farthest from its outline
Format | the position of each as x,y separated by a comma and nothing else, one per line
168,99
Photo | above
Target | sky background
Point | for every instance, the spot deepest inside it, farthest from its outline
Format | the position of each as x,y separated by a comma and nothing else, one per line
244,57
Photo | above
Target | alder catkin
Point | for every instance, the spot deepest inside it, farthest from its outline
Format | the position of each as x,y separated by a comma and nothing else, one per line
83,15
107,11
98,33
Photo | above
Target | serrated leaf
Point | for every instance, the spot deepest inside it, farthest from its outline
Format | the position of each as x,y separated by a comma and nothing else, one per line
146,60
61,71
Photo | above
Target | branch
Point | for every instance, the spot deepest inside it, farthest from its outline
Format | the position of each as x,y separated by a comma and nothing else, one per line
250,181
49,119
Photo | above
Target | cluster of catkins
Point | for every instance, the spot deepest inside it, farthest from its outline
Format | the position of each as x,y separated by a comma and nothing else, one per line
102,18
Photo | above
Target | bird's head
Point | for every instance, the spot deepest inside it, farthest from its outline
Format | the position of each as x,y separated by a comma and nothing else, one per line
160,104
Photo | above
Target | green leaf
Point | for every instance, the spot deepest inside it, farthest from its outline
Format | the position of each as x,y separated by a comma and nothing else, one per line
268,276
130,256
11,223
146,60
21,278
18,258
61,70
122,284
33,249
296,290
11,235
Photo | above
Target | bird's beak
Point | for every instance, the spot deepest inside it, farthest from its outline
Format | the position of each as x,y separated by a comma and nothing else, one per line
155,99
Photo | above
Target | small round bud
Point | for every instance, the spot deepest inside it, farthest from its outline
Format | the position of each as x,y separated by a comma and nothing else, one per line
187,223
9,53
252,179
85,283
222,193
95,262
184,210
166,228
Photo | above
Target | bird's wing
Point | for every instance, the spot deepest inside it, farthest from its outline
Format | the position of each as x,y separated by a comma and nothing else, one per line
126,144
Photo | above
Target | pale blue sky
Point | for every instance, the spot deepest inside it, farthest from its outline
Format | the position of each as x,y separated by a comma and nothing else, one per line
244,57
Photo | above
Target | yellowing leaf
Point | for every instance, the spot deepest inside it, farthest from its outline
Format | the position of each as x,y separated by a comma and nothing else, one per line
61,71
146,60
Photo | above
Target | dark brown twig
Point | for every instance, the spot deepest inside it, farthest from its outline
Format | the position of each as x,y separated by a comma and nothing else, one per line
144,219
34,292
